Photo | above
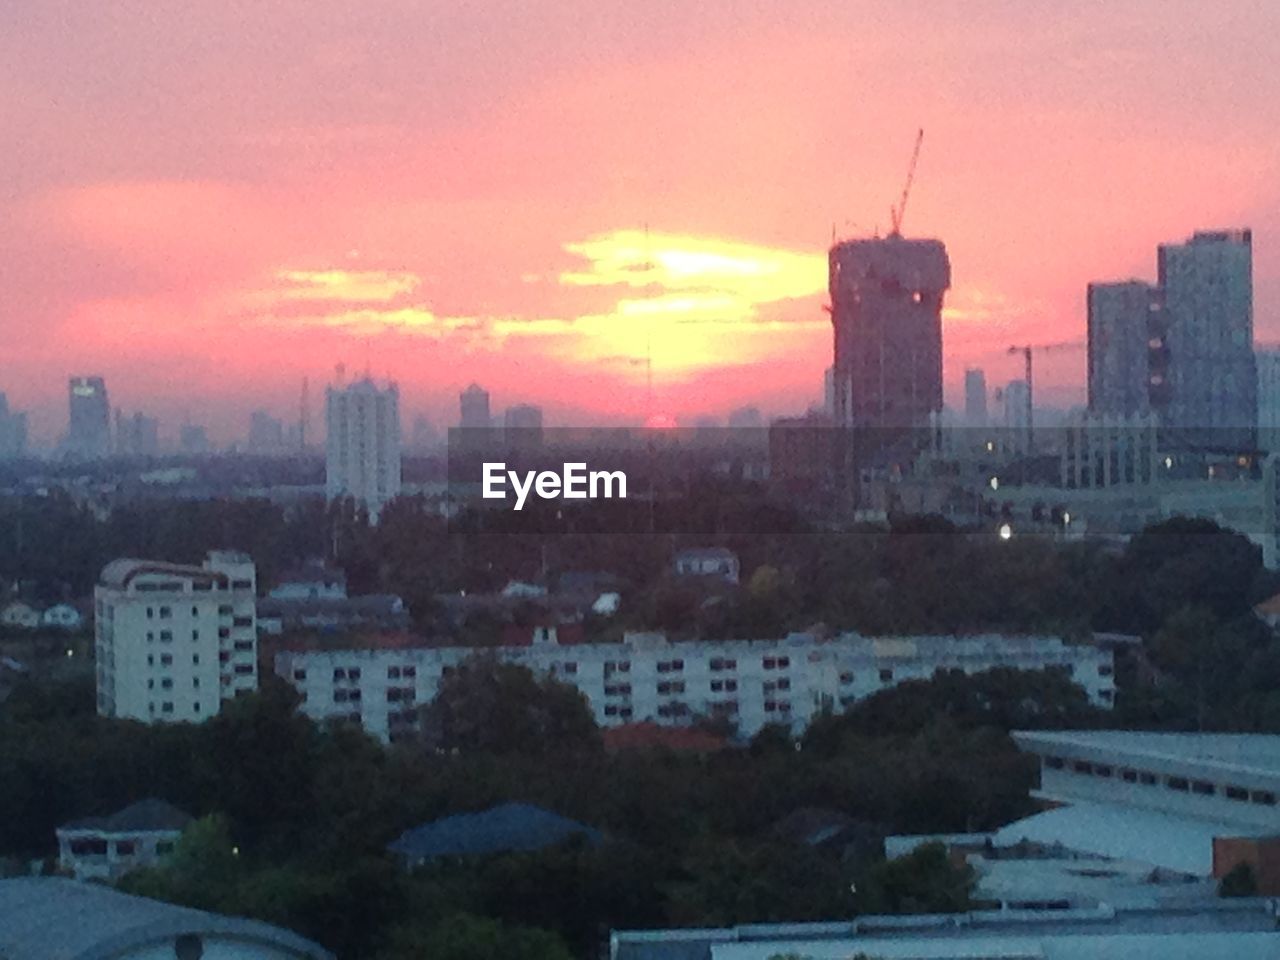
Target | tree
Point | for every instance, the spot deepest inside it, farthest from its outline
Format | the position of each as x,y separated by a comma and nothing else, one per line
467,937
924,881
490,706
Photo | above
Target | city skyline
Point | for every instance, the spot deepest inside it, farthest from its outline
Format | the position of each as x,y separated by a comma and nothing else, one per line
553,213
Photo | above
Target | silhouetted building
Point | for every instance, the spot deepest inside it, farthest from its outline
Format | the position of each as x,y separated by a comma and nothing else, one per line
975,398
473,405
13,431
89,429
193,440
1268,362
137,436
266,434
746,418
886,311
1207,289
1126,349
522,426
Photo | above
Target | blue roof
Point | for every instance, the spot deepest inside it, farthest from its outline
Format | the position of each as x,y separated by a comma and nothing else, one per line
508,828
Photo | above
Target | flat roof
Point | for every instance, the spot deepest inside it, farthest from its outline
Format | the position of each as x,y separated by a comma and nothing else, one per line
1181,844
1223,930
1255,753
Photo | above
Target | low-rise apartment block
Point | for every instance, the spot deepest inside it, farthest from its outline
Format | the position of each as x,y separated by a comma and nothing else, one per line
752,683
173,641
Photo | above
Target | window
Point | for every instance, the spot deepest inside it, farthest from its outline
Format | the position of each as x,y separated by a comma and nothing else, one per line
244,669
571,668
1236,793
166,659
225,610
339,673
195,683
1129,776
299,674
166,683
886,675
846,678
241,584
1081,766
393,673
196,706
244,645
242,622
1146,779
1054,763
223,633
151,613
353,673
195,659
195,634
1104,670
1264,797
1180,784
784,684
166,707
1204,788
166,613
166,636
1102,770
195,611
409,672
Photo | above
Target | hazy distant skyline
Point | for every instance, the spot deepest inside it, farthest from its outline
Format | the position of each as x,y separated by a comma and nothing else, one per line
205,202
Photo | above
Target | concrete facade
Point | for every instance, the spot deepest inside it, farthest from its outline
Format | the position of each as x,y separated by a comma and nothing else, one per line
173,641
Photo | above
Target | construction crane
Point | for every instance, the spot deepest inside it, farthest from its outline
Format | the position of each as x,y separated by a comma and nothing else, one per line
895,213
1026,351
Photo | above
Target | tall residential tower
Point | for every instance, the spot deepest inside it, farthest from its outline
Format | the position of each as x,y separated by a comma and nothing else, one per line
362,447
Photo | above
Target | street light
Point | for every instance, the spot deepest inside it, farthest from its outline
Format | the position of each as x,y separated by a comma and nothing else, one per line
995,483
1006,531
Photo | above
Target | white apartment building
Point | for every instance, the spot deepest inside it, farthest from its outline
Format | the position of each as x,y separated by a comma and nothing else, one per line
647,678
173,641
362,444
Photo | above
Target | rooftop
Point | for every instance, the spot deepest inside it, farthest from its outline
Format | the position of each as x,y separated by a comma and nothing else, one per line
1226,930
150,815
508,828
50,918
1257,754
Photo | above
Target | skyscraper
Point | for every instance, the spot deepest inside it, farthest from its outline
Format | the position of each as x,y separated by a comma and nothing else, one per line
362,447
473,405
1016,411
137,436
522,426
1207,289
13,431
266,434
89,430
1125,348
975,398
1269,400
886,311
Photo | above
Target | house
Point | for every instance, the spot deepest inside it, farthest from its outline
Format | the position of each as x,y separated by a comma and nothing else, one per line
310,582
106,848
19,614
716,562
53,918
278,615
62,616
509,828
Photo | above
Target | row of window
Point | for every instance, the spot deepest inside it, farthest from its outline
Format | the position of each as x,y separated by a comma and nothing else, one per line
1180,784
166,683
167,707
224,610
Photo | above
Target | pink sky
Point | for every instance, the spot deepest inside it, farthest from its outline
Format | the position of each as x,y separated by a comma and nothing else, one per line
207,202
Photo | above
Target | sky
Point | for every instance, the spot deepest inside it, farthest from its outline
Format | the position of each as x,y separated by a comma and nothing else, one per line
611,209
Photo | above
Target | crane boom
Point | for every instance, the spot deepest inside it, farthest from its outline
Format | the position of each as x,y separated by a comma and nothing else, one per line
895,213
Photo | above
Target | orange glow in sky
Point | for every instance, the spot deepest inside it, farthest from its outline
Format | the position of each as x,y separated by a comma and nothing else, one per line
604,208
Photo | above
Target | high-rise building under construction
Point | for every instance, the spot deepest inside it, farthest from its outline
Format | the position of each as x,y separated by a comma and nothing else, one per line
886,310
